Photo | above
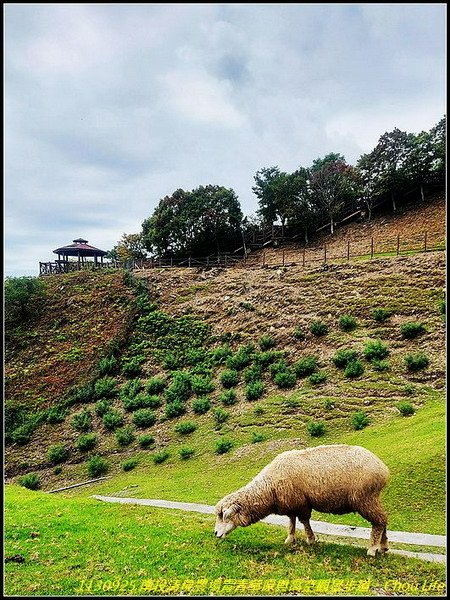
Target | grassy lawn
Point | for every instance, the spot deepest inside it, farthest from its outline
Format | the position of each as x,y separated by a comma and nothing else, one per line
78,546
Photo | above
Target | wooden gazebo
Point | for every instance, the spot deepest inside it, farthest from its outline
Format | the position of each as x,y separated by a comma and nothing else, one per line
82,250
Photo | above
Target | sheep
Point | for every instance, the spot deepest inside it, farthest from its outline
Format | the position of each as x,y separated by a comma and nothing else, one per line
335,479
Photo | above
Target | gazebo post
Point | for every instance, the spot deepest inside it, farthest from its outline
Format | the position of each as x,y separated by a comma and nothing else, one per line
78,260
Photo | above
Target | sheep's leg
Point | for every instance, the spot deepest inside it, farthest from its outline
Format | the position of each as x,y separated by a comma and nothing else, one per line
291,539
384,541
310,537
375,514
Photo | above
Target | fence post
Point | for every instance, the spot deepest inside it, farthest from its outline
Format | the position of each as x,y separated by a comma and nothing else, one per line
325,252
159,262
303,255
189,262
171,261
371,247
348,250
283,257
263,258
425,242
398,244
226,261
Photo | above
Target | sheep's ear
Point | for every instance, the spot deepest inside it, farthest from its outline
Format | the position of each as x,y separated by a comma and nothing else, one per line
229,512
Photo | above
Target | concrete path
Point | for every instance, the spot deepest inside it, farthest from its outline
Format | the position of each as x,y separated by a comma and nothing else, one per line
403,537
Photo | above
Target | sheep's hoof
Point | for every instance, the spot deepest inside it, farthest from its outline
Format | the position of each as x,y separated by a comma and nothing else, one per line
310,541
373,551
291,539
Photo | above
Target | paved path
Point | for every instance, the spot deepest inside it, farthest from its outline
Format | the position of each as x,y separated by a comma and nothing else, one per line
420,539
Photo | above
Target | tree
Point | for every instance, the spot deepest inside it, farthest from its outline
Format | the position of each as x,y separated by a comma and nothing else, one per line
24,297
418,163
367,181
199,222
437,141
265,190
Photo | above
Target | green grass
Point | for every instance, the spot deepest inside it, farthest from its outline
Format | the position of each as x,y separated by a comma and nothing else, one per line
79,546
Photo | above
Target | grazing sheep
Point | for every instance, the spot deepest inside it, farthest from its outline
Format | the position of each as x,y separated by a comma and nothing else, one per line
334,479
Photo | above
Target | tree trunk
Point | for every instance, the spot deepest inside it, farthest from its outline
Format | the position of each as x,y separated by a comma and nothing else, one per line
332,226
421,193
394,206
370,212
306,237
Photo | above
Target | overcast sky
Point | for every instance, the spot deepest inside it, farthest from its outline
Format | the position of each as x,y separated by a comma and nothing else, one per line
108,108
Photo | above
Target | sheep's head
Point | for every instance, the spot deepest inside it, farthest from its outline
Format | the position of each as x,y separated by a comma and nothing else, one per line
229,516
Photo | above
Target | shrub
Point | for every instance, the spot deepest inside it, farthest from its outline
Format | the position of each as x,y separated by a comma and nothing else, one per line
306,366
219,355
186,427
112,419
146,440
56,415
23,299
442,307
380,314
57,454
240,359
220,416
132,366
30,481
96,466
160,457
299,334
102,407
130,464
186,452
86,442
376,349
174,409
354,369
411,330
228,398
341,358
416,361
144,417
125,436
58,470
22,435
141,400
252,373
258,410
223,445
316,428
201,405
380,365
83,393
82,421
318,378
107,366
285,379
105,387
254,391
180,389
406,408
278,367
359,420
201,385
409,389
348,323
131,388
318,328
328,403
155,385
266,342
257,437
264,359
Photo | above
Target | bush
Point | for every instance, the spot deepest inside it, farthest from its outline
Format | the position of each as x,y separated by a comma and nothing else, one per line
180,389
86,442
141,400
228,398
220,355
380,365
186,452
348,323
416,361
354,369
102,407
23,299
58,470
223,445
278,367
380,314
257,437
220,416
306,366
299,334
264,359
83,393
316,428
108,366
82,421
266,342
105,388
341,358
131,388
185,427
328,403
57,454
252,373
96,466
125,436
376,349
254,391
132,366
175,409
359,420
409,389
285,379
155,385
240,359
112,419
201,405
22,435
146,440
318,328
318,378
144,417
411,330
56,415
442,307
201,385
258,410
406,408
160,457
130,464
30,481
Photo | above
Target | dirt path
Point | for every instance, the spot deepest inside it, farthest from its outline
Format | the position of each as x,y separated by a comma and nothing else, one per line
420,539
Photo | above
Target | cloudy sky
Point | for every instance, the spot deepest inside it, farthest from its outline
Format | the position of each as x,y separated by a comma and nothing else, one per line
109,108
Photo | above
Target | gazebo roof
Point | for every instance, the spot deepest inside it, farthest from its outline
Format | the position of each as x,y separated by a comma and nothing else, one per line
79,247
